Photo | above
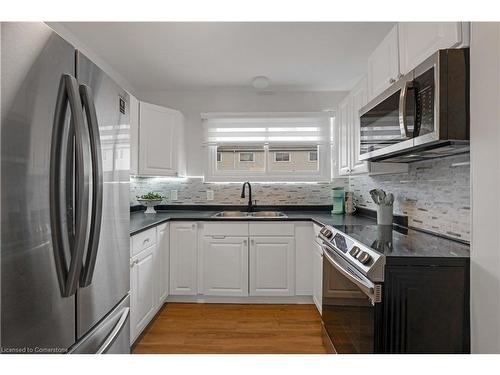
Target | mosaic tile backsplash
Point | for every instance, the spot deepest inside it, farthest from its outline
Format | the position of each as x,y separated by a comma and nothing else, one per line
435,195
194,191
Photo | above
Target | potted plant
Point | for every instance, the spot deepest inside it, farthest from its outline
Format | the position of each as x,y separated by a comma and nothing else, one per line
150,200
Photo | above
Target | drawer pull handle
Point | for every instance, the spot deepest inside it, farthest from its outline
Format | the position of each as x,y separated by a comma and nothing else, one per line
145,241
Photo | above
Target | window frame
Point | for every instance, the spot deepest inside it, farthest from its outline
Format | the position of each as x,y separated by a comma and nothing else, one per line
309,156
282,152
325,152
246,152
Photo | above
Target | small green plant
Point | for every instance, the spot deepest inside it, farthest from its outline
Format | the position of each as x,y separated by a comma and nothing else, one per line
152,196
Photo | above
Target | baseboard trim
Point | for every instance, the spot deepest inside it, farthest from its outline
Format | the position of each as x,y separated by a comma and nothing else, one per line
305,300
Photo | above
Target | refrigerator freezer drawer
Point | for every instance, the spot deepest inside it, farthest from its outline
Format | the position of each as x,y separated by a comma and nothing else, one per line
111,336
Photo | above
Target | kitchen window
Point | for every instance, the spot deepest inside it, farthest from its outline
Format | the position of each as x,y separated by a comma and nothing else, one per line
268,147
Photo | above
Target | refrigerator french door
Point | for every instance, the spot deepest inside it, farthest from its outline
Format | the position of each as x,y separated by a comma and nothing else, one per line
64,193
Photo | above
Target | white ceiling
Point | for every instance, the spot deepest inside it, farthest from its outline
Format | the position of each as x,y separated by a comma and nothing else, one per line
175,55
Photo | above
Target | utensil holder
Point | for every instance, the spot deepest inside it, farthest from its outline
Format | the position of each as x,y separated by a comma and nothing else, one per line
384,214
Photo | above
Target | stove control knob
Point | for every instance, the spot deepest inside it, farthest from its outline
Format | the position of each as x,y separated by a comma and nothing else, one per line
363,257
355,251
328,233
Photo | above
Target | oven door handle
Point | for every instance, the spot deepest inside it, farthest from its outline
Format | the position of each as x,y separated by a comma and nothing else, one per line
365,285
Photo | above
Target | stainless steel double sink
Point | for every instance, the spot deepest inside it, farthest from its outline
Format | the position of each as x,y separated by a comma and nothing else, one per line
250,215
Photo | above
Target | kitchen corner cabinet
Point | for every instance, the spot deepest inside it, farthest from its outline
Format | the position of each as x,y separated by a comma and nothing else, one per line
163,245
143,301
419,40
348,137
161,141
383,64
272,266
225,266
183,258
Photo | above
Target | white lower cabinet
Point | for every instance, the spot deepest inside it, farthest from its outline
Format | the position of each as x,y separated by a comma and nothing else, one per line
317,253
225,266
272,266
143,302
163,264
183,258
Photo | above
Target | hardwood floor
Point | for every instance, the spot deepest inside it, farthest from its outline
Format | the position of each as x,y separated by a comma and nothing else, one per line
232,328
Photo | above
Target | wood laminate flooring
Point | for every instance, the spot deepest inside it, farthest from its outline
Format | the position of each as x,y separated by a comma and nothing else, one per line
233,328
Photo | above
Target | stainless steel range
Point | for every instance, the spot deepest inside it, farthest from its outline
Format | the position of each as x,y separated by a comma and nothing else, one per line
353,276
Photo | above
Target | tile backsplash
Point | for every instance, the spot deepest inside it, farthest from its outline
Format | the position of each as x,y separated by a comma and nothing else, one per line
435,195
194,191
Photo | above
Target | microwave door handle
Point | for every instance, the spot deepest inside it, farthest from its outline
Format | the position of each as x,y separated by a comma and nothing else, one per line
403,110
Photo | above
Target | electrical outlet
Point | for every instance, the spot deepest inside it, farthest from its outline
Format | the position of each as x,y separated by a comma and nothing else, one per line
173,195
210,195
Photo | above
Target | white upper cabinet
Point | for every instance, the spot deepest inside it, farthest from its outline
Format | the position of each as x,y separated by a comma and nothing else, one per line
225,266
134,135
383,64
161,141
419,40
343,126
359,99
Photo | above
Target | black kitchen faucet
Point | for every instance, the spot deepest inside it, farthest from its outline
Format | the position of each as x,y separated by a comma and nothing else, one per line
250,204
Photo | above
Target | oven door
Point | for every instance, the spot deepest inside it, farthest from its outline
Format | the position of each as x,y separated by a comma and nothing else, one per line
387,123
350,306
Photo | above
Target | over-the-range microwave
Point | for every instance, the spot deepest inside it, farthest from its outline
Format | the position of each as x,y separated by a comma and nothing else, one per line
423,115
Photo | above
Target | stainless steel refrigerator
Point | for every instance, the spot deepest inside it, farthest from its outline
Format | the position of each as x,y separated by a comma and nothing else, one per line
64,198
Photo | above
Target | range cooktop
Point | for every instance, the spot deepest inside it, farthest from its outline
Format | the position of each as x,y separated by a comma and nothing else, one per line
395,241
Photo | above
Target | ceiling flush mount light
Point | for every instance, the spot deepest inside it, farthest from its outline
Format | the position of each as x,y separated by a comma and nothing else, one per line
260,82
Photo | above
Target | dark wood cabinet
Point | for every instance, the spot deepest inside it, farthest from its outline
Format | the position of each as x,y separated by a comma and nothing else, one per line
425,306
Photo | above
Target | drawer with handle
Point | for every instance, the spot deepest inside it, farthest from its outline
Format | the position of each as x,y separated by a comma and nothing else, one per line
142,241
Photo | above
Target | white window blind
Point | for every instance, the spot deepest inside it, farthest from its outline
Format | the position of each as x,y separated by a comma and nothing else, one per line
267,146
270,129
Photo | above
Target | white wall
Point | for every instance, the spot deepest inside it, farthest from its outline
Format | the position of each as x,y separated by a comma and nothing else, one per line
192,103
485,177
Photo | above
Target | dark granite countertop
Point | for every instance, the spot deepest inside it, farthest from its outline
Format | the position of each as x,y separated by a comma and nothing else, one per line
139,221
393,241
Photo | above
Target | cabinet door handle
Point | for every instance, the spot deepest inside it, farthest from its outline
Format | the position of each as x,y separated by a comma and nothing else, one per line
244,242
392,80
193,226
252,242
216,237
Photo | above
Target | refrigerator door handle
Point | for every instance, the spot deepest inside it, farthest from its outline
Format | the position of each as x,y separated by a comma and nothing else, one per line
114,333
68,273
97,185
